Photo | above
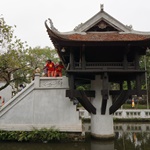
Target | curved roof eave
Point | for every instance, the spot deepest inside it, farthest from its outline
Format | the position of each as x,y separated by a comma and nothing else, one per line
73,36
139,32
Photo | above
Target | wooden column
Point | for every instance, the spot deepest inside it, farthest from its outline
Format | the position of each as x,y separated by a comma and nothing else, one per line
105,93
71,59
125,62
138,85
83,57
129,84
137,57
138,78
121,85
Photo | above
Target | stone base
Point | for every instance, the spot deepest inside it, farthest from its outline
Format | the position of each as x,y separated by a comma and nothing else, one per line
30,127
42,104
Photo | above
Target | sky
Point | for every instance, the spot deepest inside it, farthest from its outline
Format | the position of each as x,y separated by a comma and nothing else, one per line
29,16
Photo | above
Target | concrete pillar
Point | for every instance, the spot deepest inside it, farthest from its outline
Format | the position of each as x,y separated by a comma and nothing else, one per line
37,80
101,125
65,83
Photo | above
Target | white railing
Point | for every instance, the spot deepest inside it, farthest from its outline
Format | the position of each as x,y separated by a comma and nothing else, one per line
125,127
122,114
129,113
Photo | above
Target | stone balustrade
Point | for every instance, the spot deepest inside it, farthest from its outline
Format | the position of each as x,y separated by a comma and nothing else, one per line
123,114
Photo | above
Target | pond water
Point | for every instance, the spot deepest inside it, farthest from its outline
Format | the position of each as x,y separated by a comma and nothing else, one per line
128,136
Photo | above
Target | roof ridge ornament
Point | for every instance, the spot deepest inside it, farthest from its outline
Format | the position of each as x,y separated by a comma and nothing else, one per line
51,25
102,7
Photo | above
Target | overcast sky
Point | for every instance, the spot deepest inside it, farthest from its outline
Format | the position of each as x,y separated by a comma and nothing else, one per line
29,15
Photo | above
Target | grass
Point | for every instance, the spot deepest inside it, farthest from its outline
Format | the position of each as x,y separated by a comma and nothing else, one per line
137,106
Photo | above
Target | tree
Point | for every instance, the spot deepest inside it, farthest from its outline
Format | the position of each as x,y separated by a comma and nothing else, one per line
38,56
11,55
145,64
10,66
17,60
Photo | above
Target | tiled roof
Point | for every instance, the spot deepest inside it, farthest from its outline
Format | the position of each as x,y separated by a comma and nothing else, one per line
106,37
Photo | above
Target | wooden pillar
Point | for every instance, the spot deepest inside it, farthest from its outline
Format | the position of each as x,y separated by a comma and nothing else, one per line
137,57
138,85
105,93
71,59
129,84
121,85
138,78
125,62
83,57
80,58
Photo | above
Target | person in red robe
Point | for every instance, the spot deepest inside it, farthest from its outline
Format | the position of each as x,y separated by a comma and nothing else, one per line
50,68
58,69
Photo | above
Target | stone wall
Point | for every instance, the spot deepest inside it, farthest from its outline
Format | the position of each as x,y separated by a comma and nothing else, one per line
42,104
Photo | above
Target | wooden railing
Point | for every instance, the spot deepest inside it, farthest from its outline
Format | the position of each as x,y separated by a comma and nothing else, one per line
105,65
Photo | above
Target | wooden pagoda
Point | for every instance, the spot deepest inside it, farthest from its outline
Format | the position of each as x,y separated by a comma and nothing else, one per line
106,47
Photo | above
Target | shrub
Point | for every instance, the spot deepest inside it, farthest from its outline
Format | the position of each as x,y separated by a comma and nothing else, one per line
34,135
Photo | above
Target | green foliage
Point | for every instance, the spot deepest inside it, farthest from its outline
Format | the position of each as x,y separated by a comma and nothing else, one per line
83,87
37,57
11,55
17,60
6,33
34,135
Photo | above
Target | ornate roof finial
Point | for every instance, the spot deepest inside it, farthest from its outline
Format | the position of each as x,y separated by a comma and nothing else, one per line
102,7
51,25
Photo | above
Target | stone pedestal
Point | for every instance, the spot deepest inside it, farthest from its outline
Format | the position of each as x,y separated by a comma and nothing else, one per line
101,125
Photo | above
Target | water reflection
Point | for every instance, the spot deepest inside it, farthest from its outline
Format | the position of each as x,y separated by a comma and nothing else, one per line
102,145
128,136
90,145
132,136
132,140
47,146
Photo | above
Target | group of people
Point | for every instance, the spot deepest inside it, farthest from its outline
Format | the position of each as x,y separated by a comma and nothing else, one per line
53,70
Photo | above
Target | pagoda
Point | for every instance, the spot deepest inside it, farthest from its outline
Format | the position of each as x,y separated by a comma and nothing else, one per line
100,52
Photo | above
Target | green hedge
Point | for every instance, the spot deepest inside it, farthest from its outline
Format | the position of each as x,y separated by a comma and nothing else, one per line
42,135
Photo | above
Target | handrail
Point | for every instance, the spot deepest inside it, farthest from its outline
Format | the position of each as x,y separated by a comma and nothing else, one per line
108,65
